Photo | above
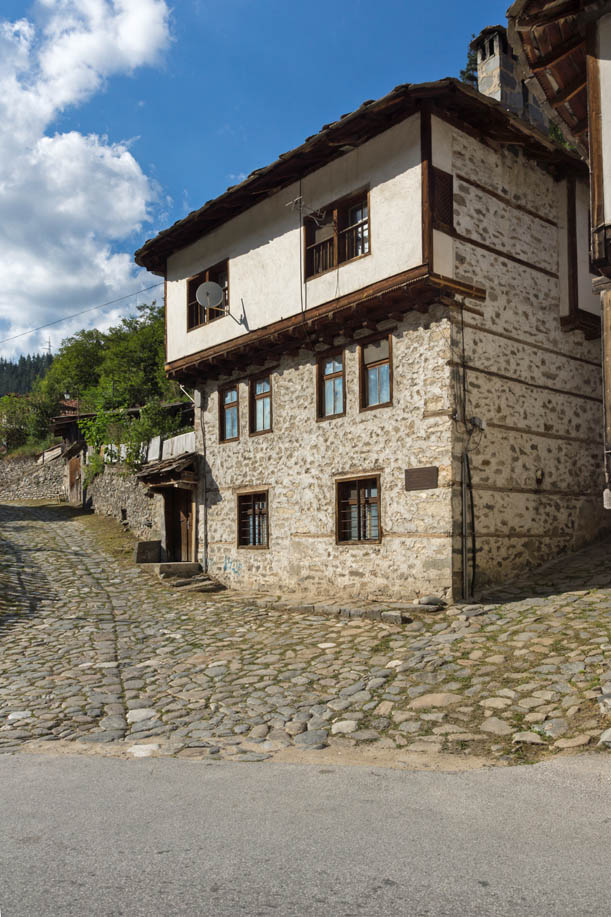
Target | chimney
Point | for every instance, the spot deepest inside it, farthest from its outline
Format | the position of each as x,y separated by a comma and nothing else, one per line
497,76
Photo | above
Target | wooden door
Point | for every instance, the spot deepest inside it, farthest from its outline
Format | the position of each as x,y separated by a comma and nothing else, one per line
179,524
74,480
185,521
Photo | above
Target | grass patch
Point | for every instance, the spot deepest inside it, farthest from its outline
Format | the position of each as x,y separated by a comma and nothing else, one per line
110,536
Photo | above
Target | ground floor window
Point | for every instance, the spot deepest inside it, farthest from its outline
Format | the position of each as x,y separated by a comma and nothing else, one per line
253,529
358,510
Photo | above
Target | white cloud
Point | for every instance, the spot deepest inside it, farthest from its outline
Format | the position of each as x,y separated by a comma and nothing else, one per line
67,200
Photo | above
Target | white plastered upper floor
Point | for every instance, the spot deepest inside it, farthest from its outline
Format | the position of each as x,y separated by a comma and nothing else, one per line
264,245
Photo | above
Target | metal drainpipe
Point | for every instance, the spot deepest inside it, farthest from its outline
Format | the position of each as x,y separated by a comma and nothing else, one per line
204,463
465,570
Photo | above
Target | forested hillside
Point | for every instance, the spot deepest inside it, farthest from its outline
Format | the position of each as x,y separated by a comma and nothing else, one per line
18,376
102,371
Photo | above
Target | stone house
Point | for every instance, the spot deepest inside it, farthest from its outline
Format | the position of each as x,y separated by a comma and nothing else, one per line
564,52
398,385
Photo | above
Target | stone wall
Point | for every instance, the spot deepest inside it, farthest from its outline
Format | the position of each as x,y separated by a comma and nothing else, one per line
300,461
117,493
537,468
23,479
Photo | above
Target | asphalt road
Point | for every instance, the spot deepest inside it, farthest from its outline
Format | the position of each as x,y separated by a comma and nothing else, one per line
102,836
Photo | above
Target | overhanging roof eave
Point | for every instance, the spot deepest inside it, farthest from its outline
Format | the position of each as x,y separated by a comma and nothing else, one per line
370,119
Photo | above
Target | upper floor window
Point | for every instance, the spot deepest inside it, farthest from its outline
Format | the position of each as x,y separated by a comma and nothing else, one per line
260,405
331,386
339,234
229,414
200,315
376,373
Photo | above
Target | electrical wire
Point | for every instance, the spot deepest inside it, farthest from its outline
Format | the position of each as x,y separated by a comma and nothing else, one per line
66,318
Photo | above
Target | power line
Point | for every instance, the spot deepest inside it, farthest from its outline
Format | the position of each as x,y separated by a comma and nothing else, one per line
83,312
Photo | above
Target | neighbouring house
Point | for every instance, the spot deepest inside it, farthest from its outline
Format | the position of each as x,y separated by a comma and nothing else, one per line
564,49
398,389
132,497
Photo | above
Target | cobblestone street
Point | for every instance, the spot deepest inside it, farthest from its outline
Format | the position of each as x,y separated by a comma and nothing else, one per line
95,651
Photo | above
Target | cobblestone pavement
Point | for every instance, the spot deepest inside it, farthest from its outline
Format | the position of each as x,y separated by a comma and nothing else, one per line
93,651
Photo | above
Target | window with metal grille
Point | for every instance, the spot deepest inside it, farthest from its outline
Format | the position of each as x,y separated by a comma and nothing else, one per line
260,405
338,233
253,529
376,373
331,386
229,414
200,315
443,199
358,510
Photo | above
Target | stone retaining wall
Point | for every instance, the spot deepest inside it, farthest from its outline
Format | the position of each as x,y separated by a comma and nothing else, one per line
23,479
117,493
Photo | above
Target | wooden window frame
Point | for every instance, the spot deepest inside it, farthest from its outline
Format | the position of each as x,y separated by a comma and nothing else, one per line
203,277
223,409
252,495
252,400
320,383
363,342
357,480
339,209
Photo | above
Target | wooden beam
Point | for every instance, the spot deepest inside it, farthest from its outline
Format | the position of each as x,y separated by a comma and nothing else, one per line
606,323
426,178
580,127
553,13
558,54
566,94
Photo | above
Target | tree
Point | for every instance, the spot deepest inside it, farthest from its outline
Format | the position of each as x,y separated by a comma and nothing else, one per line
18,376
106,372
469,74
14,418
75,370
131,372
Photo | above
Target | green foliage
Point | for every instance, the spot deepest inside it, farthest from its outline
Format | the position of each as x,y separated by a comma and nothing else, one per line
103,371
469,74
94,467
131,372
122,367
75,371
96,430
152,421
558,137
32,447
108,430
18,376
14,421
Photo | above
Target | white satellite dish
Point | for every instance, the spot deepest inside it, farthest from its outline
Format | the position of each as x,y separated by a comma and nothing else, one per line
209,295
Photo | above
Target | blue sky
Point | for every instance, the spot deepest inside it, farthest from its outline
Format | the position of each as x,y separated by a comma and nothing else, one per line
145,121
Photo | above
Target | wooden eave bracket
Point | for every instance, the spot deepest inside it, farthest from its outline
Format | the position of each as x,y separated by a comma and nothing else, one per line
414,290
586,322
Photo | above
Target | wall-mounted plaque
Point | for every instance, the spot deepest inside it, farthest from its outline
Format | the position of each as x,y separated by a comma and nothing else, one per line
421,478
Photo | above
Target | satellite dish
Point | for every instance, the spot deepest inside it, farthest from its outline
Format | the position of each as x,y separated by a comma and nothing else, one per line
209,295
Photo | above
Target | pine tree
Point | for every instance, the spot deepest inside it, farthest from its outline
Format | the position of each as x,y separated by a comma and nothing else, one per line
469,74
